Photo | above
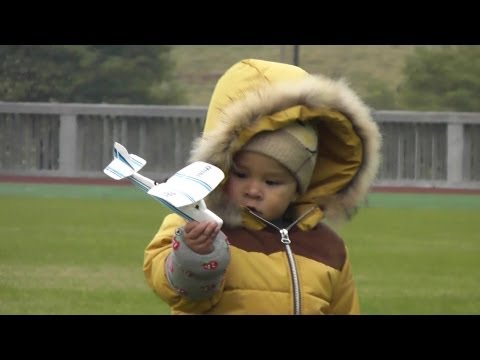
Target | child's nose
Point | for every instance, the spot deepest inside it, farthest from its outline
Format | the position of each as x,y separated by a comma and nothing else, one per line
253,190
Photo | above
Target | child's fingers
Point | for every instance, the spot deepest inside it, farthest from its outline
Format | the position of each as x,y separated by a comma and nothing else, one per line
206,228
201,245
199,236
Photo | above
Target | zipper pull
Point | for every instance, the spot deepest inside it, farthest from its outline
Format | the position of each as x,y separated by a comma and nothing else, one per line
285,239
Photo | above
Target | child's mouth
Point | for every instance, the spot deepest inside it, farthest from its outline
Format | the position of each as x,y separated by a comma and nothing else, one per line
252,209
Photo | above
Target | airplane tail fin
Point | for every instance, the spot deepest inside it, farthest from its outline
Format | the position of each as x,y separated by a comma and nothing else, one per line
123,164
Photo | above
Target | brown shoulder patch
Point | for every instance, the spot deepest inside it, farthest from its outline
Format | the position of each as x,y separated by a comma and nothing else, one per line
321,244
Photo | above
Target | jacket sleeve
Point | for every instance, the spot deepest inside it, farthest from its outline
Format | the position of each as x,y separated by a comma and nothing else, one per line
345,297
188,282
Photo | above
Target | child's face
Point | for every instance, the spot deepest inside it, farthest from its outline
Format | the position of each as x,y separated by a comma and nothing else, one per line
261,184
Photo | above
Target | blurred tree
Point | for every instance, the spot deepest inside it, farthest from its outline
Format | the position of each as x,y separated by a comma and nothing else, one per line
376,92
442,78
380,96
121,74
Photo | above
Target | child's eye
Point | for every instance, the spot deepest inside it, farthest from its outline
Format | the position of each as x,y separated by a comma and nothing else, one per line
239,174
272,182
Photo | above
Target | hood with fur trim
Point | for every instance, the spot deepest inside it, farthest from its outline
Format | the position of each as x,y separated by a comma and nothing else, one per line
256,95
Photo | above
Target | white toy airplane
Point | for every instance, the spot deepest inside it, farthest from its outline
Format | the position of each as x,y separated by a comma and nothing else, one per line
182,193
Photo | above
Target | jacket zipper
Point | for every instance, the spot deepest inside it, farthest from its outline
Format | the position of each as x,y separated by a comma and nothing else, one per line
285,239
293,270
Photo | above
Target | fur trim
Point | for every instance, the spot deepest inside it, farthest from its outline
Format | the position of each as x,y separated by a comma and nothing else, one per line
313,91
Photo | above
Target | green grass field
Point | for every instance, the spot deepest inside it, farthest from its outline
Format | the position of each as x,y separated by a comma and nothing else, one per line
79,250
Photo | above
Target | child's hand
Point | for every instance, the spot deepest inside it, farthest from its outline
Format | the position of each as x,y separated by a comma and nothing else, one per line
199,236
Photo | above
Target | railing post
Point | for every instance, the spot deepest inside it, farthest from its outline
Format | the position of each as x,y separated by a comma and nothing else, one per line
68,145
454,153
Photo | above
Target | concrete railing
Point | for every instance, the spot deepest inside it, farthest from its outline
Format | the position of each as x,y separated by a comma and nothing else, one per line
426,149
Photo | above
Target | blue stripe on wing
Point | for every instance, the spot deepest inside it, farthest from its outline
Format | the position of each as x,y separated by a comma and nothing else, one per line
173,208
116,172
188,196
136,162
188,177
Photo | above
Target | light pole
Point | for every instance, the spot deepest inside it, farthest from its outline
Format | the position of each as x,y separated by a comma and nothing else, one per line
296,55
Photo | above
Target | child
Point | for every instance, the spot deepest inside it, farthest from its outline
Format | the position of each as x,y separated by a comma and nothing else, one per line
296,149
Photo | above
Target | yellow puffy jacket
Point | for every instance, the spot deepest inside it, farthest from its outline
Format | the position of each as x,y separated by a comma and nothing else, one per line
256,95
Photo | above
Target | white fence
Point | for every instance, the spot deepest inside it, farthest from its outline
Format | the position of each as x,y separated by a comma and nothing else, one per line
425,149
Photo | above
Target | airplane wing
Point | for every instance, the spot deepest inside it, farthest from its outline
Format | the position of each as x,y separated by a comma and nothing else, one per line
189,185
172,195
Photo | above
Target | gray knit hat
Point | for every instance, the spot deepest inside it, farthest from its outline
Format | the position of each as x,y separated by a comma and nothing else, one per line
294,146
